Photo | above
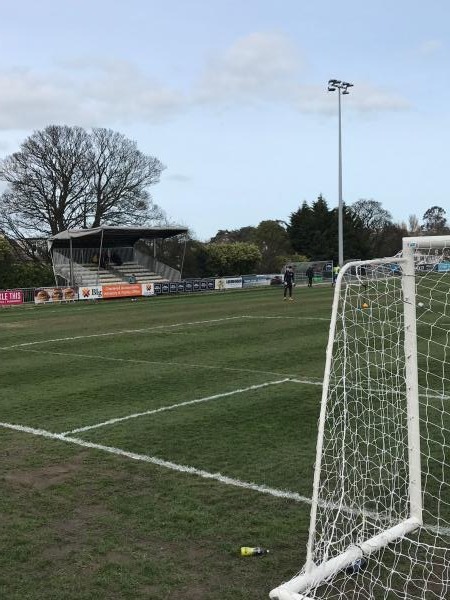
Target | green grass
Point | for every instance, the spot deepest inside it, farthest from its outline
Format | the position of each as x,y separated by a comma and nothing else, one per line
86,523
82,523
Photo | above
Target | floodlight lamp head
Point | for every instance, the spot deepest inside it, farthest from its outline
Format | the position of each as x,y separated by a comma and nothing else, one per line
333,82
331,89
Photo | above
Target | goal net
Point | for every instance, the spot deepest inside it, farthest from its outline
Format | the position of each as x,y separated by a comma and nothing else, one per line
380,515
322,271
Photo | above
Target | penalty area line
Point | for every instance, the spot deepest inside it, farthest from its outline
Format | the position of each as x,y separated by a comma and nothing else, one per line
121,332
174,406
223,479
161,463
154,362
300,318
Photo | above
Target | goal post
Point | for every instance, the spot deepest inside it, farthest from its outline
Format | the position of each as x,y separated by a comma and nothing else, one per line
380,512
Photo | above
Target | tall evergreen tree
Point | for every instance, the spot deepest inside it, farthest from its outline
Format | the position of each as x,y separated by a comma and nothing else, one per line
313,231
299,228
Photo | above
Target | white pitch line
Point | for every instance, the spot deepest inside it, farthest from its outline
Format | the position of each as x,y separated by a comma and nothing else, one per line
433,396
174,406
155,327
95,335
262,489
306,381
317,381
161,463
287,317
154,362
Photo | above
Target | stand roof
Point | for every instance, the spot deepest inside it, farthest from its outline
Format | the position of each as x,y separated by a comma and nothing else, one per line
112,236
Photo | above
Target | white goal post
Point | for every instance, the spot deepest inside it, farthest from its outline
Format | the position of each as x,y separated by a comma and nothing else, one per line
380,514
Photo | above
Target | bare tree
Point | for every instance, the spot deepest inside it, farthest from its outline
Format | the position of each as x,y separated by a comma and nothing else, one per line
64,177
377,222
434,221
121,174
413,225
371,214
47,182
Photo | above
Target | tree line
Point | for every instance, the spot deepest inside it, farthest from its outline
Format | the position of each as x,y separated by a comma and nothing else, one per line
66,177
310,234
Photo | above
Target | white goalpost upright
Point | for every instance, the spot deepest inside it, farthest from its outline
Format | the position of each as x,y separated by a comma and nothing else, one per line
380,513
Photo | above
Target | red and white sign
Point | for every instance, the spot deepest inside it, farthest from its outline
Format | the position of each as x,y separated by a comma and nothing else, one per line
122,290
11,297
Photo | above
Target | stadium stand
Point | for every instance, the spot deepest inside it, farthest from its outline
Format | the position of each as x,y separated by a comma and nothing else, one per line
108,255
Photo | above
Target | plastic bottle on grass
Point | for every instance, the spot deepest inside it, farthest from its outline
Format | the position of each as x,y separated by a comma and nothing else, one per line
257,551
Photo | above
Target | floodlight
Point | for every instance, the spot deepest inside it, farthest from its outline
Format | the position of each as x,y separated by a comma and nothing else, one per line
341,87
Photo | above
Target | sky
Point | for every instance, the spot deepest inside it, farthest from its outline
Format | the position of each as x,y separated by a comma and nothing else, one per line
231,96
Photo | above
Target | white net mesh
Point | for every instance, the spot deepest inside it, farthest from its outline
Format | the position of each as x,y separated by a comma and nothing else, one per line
364,477
322,271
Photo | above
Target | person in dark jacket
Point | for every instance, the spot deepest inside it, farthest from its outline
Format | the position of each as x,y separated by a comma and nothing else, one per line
289,283
310,275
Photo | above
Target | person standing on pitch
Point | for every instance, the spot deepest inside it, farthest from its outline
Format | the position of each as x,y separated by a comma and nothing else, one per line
336,270
288,282
310,275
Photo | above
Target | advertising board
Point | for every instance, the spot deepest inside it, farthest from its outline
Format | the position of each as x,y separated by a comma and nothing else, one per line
148,289
226,283
9,297
55,294
256,280
443,267
90,293
122,290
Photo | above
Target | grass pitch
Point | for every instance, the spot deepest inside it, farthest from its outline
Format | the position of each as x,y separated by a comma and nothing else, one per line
148,494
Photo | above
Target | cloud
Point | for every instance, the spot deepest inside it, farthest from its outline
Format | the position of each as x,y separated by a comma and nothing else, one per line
178,177
86,93
119,90
265,67
363,98
256,67
29,100
430,47
366,98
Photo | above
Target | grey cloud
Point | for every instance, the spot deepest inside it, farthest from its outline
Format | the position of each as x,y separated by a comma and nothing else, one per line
257,68
265,67
178,177
363,98
29,100
430,47
84,96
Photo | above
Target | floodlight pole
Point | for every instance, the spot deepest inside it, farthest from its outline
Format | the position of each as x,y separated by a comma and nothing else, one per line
340,86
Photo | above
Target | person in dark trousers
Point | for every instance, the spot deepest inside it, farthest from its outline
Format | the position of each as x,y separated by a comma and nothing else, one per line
288,282
310,275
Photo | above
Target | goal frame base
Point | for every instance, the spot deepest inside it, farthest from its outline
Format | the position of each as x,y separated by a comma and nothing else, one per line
319,574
